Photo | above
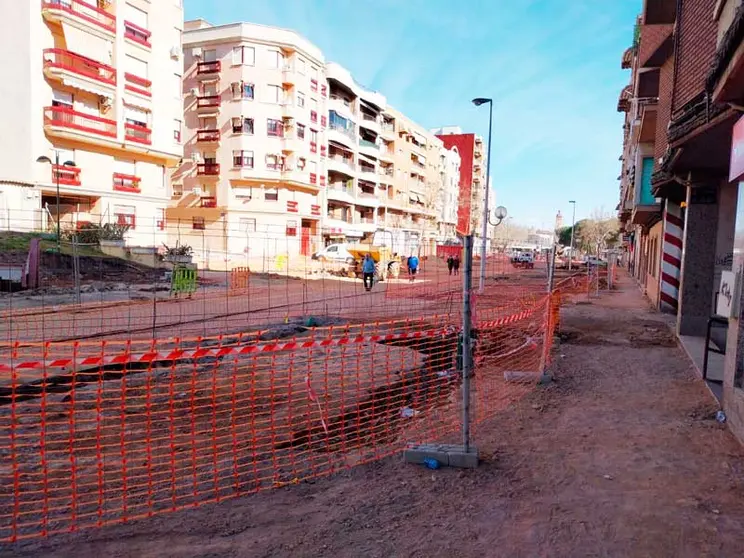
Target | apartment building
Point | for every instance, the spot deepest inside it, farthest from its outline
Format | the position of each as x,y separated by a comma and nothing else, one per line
96,87
359,160
255,146
472,177
449,194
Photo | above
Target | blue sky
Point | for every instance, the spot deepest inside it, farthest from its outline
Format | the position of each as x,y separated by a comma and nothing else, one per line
551,66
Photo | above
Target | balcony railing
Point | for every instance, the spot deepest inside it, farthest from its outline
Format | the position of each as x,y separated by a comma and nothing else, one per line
208,201
70,176
207,169
367,170
207,135
80,65
204,68
292,206
138,85
315,210
137,133
137,34
208,101
126,183
68,118
84,11
367,143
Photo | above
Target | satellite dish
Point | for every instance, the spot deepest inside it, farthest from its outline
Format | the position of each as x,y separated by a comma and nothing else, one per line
500,212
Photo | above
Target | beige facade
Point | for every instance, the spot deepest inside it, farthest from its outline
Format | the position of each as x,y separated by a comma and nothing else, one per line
97,85
255,143
478,192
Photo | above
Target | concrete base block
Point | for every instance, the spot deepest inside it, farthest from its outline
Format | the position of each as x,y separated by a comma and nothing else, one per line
447,455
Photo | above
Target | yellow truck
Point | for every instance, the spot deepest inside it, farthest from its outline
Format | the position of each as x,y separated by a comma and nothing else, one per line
387,264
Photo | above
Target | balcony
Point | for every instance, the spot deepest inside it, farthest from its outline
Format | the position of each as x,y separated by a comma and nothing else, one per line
126,183
138,85
79,13
208,169
366,144
341,192
137,34
207,136
66,122
370,122
79,71
69,176
137,133
208,104
344,165
289,77
208,69
315,210
208,202
342,106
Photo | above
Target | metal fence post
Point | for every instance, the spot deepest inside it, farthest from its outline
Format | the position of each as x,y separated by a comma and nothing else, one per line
548,337
76,268
467,363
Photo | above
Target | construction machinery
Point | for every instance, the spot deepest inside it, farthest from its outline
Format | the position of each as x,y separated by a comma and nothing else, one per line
387,264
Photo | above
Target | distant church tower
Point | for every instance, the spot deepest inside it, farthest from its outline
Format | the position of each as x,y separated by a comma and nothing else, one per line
558,221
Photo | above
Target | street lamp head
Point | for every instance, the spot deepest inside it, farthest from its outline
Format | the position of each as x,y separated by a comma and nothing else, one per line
571,201
478,101
44,159
500,212
69,164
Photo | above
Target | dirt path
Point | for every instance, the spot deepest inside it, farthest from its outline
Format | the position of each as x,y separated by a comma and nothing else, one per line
620,457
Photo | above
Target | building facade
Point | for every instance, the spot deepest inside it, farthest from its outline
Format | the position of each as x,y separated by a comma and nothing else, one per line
97,86
472,177
449,194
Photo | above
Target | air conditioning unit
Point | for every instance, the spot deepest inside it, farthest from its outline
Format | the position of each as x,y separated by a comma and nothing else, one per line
194,92
176,53
195,157
196,52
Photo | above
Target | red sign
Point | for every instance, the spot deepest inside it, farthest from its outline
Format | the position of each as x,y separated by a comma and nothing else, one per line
737,151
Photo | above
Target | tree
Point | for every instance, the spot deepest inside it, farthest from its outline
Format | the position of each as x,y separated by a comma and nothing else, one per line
598,232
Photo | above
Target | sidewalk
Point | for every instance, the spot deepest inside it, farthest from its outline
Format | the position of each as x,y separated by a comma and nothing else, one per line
620,457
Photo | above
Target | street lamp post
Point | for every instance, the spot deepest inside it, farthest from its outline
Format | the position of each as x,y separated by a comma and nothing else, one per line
55,171
478,102
573,229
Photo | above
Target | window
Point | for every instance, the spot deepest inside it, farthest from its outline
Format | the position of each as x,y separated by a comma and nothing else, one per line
242,125
124,166
134,15
313,136
314,73
125,215
160,218
273,162
271,194
291,228
243,159
301,163
243,55
300,131
300,100
247,224
136,25
242,90
301,66
136,67
275,128
274,59
61,99
177,85
313,167
210,55
208,123
135,116
177,130
272,94
198,224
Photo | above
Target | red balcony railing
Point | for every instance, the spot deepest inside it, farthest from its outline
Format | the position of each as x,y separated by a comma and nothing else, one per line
313,116
322,180
208,101
208,201
323,121
313,178
69,176
137,34
324,91
203,68
84,11
126,183
139,85
315,210
160,224
80,65
313,147
208,169
323,150
207,135
64,117
137,133
292,206
313,85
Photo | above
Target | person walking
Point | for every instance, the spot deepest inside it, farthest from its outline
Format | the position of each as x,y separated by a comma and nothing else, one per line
456,265
413,264
450,264
368,272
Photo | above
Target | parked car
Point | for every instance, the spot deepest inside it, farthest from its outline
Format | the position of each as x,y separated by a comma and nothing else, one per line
334,253
594,261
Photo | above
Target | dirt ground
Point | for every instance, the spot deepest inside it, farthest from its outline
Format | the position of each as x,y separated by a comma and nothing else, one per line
621,456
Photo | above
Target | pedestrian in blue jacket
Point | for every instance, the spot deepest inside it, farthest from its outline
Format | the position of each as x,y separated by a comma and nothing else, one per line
368,272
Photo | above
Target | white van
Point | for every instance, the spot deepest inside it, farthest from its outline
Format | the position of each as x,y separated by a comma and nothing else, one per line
334,253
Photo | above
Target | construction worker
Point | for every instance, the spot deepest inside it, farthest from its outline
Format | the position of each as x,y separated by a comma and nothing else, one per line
413,263
368,272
